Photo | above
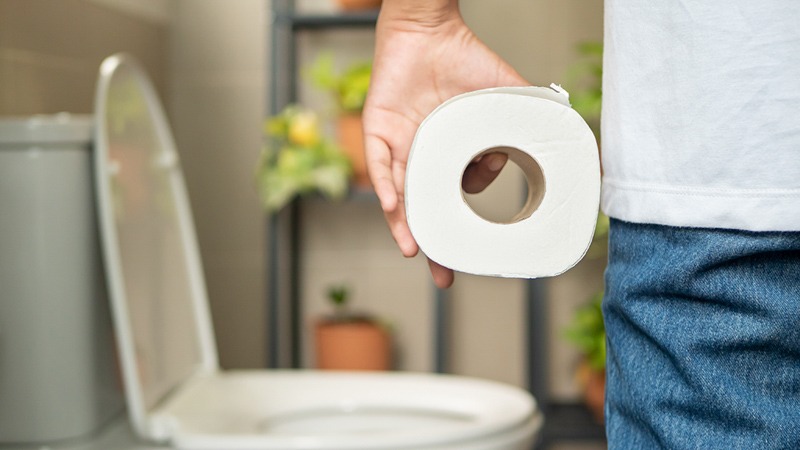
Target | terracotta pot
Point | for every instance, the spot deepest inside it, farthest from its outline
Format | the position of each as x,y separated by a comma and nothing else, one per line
595,394
357,345
353,5
593,382
351,137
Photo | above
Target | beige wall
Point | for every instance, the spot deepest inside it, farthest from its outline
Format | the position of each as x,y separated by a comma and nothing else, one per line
50,51
218,81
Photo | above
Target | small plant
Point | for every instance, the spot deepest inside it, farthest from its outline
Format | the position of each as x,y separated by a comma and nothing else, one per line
588,332
585,83
599,245
349,88
338,296
298,161
346,340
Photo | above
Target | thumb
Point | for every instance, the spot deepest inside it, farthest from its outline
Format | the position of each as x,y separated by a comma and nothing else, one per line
482,171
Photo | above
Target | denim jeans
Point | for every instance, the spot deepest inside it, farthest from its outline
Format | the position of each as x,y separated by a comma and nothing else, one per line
703,331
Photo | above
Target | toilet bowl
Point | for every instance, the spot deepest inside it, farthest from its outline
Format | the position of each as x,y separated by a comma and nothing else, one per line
349,410
176,394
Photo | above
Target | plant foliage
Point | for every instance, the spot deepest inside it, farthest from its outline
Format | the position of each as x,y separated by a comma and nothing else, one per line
588,332
585,83
298,161
349,87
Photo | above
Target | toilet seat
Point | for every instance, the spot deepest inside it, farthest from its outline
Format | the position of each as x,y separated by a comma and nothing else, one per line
174,389
343,410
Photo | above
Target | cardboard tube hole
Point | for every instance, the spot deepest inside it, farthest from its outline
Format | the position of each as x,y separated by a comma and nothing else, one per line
499,202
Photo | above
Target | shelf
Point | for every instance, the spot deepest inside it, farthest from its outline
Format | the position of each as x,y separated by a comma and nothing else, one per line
570,422
283,241
354,195
304,21
359,194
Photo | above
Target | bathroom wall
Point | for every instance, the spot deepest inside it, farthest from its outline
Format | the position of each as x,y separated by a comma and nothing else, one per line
217,80
50,51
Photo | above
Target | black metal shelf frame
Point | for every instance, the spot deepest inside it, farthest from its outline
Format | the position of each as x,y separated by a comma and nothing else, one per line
322,21
283,236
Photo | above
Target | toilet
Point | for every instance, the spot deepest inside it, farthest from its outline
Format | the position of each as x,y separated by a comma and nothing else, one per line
176,393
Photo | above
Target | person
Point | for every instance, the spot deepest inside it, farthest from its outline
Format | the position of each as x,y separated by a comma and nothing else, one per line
701,157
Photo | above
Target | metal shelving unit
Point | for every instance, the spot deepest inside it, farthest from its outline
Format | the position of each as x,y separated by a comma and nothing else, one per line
283,241
564,421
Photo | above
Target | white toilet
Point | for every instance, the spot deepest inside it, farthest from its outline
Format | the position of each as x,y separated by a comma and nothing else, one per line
176,393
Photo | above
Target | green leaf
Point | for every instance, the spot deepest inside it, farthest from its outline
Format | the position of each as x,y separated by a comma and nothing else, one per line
338,296
288,169
587,331
322,73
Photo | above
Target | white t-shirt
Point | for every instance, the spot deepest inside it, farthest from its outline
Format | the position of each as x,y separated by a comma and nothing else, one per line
701,113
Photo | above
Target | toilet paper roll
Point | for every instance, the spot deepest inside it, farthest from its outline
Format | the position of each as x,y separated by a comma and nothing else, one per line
555,149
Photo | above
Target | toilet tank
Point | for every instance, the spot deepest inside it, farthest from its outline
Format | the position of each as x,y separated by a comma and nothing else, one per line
58,376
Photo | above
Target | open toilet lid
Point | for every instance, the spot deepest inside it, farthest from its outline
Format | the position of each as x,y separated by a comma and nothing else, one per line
151,259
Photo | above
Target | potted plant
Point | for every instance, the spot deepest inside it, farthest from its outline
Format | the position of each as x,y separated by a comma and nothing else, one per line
298,160
349,88
587,330
588,333
356,5
586,83
350,341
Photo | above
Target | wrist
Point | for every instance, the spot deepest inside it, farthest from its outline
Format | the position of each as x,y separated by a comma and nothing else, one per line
419,13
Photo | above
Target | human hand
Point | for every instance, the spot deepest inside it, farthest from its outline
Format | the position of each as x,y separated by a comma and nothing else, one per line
424,55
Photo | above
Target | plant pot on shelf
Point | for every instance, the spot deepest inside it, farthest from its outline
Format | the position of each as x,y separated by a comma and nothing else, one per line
347,341
587,331
593,383
352,344
350,130
355,5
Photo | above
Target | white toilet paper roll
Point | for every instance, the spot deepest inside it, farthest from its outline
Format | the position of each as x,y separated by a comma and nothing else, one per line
555,149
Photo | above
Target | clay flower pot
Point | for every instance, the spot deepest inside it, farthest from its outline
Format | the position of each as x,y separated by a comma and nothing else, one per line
593,383
352,344
351,137
355,5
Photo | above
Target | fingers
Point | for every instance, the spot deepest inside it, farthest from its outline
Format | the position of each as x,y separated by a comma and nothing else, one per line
379,168
442,276
481,172
400,231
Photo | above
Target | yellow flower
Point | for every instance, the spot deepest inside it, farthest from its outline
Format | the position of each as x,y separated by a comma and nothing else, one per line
304,129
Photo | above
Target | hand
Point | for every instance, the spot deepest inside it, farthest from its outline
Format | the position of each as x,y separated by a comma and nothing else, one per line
420,61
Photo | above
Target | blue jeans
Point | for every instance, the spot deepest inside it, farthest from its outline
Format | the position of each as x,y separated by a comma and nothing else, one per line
703,333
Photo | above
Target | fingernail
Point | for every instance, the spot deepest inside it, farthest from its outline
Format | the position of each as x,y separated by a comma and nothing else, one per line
496,162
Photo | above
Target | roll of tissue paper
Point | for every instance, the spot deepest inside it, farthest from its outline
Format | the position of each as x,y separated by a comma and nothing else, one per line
556,150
